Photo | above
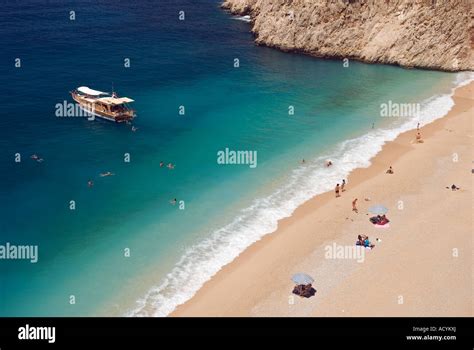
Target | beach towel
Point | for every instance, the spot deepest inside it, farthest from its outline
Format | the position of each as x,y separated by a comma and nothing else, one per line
387,225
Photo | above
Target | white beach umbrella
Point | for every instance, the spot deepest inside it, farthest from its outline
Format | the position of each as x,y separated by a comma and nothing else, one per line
378,209
302,278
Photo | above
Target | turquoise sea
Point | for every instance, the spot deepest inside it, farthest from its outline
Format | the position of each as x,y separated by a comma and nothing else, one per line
173,63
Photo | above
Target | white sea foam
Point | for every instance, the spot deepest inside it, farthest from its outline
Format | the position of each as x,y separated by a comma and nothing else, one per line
243,18
203,260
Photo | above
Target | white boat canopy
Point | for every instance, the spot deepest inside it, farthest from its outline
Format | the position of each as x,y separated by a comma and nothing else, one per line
90,92
115,100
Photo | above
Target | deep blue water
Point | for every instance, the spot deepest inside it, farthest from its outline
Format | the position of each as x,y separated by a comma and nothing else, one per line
173,63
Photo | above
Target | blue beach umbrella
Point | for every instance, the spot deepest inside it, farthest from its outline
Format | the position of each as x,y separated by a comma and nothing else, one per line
302,278
378,209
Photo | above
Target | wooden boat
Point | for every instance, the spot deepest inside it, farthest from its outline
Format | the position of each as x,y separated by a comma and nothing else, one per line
104,105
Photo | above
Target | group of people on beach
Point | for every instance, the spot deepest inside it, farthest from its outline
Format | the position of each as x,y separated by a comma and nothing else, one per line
340,188
379,220
304,290
363,240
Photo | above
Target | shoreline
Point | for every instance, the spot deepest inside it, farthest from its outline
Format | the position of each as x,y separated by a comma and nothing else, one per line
255,282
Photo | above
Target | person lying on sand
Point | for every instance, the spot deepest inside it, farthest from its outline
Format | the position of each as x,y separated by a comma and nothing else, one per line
390,170
453,187
367,243
383,220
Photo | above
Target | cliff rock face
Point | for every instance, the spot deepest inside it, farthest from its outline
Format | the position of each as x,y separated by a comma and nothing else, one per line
433,34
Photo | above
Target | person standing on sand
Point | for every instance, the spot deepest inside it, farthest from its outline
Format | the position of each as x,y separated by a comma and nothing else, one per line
337,189
354,207
343,185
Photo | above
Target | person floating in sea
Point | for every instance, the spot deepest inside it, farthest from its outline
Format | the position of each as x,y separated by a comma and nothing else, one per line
303,161
108,173
328,163
134,128
170,166
390,170
36,157
162,164
343,185
337,189
90,183
354,205
173,202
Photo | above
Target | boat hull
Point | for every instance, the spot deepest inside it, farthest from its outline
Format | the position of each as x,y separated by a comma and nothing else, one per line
117,118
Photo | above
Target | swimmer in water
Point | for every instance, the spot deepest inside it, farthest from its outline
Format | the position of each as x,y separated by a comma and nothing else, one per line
162,164
170,166
108,173
90,183
173,202
328,163
134,128
37,158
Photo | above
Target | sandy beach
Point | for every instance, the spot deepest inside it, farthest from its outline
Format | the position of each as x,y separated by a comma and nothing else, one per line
421,265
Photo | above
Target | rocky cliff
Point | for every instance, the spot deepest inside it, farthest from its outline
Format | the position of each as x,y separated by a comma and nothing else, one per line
432,34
